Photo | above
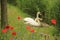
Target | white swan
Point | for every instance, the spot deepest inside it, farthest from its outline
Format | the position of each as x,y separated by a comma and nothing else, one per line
33,22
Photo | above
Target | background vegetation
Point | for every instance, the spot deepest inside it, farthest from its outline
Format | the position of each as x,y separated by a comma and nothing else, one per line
50,9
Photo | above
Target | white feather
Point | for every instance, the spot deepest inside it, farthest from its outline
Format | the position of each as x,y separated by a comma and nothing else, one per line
31,21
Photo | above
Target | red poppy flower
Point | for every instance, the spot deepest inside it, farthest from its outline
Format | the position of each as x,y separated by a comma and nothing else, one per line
32,30
53,21
4,31
7,27
13,33
11,38
11,28
18,17
28,27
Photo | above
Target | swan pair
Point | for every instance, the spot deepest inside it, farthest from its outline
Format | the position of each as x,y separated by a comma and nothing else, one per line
33,22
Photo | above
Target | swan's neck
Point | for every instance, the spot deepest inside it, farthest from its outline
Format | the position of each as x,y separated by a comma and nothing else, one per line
37,16
38,22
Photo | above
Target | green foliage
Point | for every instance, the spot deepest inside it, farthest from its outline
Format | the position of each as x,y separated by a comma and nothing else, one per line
13,2
50,8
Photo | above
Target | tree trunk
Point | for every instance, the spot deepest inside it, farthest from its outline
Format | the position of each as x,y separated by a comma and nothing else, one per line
3,13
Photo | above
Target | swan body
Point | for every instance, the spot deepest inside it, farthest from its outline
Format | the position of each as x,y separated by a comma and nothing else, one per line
31,21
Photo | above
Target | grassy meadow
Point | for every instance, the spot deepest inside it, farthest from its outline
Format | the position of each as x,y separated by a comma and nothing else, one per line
20,28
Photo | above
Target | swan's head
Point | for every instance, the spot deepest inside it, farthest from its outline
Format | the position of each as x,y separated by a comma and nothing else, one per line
38,13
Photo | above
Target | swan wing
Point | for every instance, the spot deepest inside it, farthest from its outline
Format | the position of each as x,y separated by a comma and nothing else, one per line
28,19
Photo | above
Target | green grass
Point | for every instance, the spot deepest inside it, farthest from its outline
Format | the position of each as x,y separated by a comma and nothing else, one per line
20,27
